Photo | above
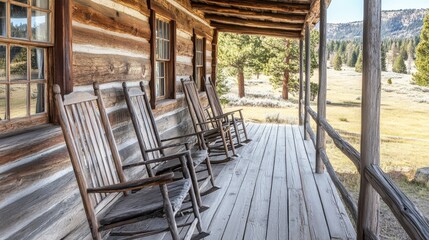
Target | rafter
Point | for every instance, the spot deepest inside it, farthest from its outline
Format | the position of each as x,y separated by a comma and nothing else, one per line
253,23
256,31
292,18
257,4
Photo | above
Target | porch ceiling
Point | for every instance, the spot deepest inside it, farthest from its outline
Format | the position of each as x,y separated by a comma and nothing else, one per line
280,18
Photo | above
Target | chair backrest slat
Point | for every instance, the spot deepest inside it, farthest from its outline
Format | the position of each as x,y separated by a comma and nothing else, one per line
144,122
213,98
95,158
194,105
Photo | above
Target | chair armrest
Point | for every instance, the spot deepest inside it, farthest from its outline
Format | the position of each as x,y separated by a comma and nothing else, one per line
134,185
183,136
234,111
225,115
165,146
158,160
169,157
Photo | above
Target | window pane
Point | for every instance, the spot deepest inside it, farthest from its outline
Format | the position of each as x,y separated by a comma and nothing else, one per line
40,26
18,21
2,63
41,4
2,19
18,63
18,100
2,102
22,1
37,63
37,94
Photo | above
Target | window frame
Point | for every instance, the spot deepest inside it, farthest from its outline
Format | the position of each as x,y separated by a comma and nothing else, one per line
8,124
199,66
170,65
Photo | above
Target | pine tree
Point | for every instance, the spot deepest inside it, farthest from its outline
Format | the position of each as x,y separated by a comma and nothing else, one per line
359,63
422,56
338,63
351,62
399,66
383,59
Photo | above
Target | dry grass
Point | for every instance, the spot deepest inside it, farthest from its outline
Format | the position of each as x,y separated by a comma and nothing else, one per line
404,131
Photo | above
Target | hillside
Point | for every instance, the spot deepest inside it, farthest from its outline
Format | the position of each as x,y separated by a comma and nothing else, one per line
395,24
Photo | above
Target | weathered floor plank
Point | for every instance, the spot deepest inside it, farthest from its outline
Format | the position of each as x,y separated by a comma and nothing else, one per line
272,192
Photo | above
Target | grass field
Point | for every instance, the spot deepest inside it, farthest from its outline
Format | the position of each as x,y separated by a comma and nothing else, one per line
404,128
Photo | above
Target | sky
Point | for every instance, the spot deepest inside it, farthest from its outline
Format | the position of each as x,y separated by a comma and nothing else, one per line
342,11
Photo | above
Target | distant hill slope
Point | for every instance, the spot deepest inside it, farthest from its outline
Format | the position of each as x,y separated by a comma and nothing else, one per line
395,24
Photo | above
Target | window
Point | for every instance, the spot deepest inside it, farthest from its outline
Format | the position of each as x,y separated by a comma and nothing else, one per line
24,40
162,58
199,46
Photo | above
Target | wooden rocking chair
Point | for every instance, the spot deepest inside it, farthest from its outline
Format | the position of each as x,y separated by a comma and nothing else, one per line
237,124
216,135
153,147
109,200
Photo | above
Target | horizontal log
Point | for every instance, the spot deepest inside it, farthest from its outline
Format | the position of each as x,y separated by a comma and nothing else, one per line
348,199
107,19
408,215
344,146
90,67
255,31
283,7
254,23
31,142
292,18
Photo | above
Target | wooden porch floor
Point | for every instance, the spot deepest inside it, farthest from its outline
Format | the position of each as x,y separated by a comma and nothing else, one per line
271,192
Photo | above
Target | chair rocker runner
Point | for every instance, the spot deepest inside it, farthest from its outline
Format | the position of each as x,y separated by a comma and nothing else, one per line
109,199
153,147
237,124
216,136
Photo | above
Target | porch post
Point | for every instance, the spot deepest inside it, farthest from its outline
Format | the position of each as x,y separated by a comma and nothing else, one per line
214,55
301,75
321,99
307,80
369,200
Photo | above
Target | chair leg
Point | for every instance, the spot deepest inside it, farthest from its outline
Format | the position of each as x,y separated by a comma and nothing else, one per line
244,126
169,213
231,143
210,172
225,145
237,134
194,181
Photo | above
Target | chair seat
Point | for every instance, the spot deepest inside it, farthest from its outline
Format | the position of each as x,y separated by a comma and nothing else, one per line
146,202
198,156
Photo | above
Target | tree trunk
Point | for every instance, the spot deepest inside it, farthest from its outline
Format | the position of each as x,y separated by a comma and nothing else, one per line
240,79
285,91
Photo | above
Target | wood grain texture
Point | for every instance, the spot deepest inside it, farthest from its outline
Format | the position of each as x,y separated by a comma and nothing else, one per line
321,96
369,201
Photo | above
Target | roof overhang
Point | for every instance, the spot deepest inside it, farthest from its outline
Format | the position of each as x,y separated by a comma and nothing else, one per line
281,18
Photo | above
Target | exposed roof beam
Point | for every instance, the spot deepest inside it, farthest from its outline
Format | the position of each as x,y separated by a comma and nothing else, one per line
256,31
261,5
254,23
292,18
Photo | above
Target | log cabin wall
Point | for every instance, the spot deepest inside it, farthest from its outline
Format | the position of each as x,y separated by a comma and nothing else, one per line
39,195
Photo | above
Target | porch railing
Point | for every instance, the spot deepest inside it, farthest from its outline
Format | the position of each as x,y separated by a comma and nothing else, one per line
405,211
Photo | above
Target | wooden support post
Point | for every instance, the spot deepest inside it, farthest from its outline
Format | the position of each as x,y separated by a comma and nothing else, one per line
307,80
301,76
214,55
369,200
321,96
62,54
